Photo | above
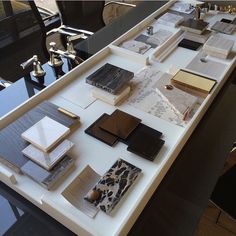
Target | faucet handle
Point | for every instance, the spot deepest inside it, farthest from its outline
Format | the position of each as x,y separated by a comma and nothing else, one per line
38,71
52,45
29,62
70,48
55,59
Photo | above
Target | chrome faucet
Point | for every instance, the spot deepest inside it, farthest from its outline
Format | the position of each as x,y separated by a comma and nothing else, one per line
55,58
38,71
70,48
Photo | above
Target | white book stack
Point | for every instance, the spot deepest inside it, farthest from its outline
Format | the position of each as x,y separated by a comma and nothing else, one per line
218,46
199,38
170,19
47,146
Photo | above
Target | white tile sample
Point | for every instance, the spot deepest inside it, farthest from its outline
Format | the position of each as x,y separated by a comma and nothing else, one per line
48,160
45,133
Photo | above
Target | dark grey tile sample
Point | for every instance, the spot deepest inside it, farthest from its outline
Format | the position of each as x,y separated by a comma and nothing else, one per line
95,131
120,123
110,78
141,128
146,143
44,177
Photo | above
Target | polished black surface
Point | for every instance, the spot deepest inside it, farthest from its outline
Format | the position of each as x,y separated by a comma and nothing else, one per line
95,131
224,194
120,124
25,88
177,204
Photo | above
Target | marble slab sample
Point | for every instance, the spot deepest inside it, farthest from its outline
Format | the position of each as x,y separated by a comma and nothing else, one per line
159,37
218,46
179,100
155,40
113,185
110,78
223,27
45,133
48,160
75,191
44,177
203,65
170,19
144,96
183,7
136,46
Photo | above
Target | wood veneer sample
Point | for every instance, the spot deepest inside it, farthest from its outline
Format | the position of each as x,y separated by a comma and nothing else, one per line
11,143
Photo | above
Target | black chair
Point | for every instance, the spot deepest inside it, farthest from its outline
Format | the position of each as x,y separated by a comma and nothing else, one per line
224,193
21,36
87,15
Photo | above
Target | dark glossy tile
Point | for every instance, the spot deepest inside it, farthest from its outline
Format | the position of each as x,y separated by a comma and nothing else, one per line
120,124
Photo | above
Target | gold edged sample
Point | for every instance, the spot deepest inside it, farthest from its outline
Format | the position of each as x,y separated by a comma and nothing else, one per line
194,83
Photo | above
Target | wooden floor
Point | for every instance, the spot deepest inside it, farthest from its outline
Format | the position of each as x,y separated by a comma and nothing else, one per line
215,223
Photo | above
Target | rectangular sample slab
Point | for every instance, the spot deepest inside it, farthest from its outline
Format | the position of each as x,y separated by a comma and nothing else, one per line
95,131
48,160
110,78
45,133
120,124
113,185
